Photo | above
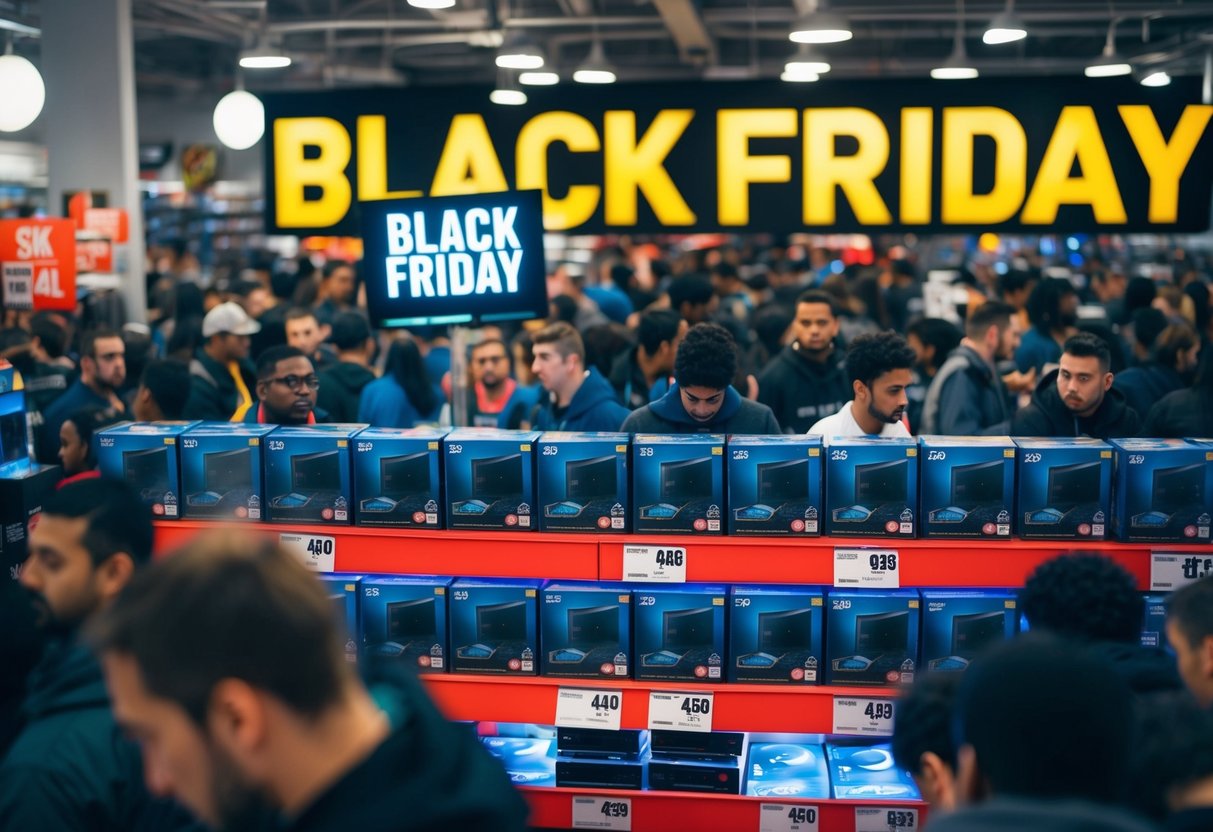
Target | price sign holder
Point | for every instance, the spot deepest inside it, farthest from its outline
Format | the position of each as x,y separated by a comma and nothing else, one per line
1175,570
885,819
655,564
863,717
787,817
602,813
587,708
867,568
318,553
671,711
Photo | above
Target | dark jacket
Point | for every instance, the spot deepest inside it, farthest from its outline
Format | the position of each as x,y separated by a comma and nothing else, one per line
1036,349
1179,414
1146,384
631,387
593,407
736,415
966,398
1144,669
1019,814
341,390
1047,415
76,397
213,394
801,391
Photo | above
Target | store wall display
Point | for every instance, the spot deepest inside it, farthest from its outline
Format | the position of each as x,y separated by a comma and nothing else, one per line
775,634
307,474
345,595
872,636
221,471
967,486
494,626
585,629
582,482
1065,488
774,485
404,618
872,486
680,632
145,454
490,479
678,483
959,624
1164,489
398,477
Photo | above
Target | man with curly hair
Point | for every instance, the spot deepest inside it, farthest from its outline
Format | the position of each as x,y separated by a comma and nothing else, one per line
878,366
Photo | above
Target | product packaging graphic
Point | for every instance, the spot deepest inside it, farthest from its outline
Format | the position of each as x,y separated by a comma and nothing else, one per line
774,485
871,636
582,482
585,629
8,375
404,619
775,634
344,593
1154,621
680,632
871,486
528,761
22,493
307,474
688,774
494,626
1065,488
678,483
867,772
14,433
1164,490
787,769
490,482
967,486
958,624
397,480
221,471
145,454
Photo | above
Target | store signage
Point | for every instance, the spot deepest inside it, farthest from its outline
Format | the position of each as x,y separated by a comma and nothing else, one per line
38,263
787,817
885,819
317,552
1006,154
1175,570
586,708
867,568
863,717
602,813
655,564
680,711
111,223
94,256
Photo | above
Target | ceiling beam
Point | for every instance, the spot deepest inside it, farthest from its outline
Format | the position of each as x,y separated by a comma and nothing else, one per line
689,31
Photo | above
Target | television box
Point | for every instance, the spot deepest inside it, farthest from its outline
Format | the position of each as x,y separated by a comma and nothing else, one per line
397,480
679,632
787,769
221,470
1065,488
528,761
307,474
490,481
404,619
22,492
871,636
1154,621
14,433
678,483
966,486
145,454
867,772
958,624
1164,490
494,626
344,591
774,485
871,486
582,482
585,629
775,634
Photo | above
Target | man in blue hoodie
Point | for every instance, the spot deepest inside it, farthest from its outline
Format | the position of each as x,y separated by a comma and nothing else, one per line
577,398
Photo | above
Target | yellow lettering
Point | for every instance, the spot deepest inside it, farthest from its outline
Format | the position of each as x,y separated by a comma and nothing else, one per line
960,206
293,173
631,166
736,168
469,163
1076,137
916,133
1165,161
824,170
372,161
579,135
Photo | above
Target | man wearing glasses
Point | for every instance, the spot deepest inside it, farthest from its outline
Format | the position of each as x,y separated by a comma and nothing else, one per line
286,389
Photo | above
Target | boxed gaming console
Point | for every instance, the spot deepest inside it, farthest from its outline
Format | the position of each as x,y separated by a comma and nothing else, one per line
221,470
867,772
678,483
871,486
1065,488
344,591
396,477
967,486
679,632
494,625
404,619
787,769
774,485
1164,489
23,490
8,376
775,634
871,636
582,482
307,474
957,624
14,433
602,773
490,482
1154,621
528,761
721,775
145,455
585,629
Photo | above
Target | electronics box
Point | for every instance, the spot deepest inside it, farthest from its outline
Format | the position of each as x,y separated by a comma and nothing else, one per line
680,632
966,486
397,480
680,774
871,486
493,626
14,433
871,636
490,482
307,474
145,454
867,772
1065,488
594,742
404,619
787,769
8,376
22,493
344,591
601,773
704,745
221,470
774,485
528,761
582,482
957,625
775,634
1164,490
678,483
585,629
1154,621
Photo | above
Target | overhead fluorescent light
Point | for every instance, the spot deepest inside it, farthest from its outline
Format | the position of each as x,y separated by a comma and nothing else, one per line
538,79
1109,64
263,56
1006,27
595,69
820,27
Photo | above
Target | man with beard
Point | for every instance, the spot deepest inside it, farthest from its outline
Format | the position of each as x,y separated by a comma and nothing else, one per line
286,389
967,396
249,705
102,373
879,368
492,388
807,381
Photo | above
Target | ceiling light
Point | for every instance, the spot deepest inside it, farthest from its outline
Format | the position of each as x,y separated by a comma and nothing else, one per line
508,97
1005,28
262,56
957,66
538,79
806,61
1109,63
24,93
431,4
798,76
595,69
239,120
519,52
820,27
1155,78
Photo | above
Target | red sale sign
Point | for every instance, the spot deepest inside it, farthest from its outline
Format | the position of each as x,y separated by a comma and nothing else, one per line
94,256
111,223
38,263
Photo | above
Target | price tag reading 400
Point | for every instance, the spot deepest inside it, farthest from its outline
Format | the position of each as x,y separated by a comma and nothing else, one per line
884,819
584,708
602,813
680,711
655,564
867,568
786,817
318,553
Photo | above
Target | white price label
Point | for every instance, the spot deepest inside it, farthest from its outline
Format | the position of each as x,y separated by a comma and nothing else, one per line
655,564
886,819
602,813
1175,570
867,568
787,817
318,553
863,717
680,711
18,285
585,708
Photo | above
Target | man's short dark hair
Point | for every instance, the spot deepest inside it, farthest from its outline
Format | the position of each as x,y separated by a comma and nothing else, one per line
169,383
818,296
1016,280
1191,609
88,342
724,270
657,326
118,520
1044,303
1086,345
871,356
350,331
1087,597
297,313
1172,749
267,362
1148,324
991,313
331,267
564,337
924,721
489,342
49,332
694,289
943,335
707,357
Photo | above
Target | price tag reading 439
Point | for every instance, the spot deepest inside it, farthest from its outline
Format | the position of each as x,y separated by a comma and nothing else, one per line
602,813
1171,571
584,708
317,553
787,817
680,711
867,568
655,564
885,820
863,717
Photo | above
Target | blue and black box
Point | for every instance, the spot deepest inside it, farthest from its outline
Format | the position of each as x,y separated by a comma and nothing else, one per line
307,474
221,470
871,486
8,376
1065,488
1164,490
582,482
14,434
871,636
397,477
23,490
959,624
775,634
404,619
1154,621
585,629
787,769
774,485
529,761
490,479
678,483
680,632
494,626
344,591
145,454
967,486
867,772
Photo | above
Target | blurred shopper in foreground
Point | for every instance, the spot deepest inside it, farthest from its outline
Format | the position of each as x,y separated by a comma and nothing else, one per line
1190,634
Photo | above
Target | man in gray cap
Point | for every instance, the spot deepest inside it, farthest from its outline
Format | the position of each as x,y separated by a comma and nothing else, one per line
221,378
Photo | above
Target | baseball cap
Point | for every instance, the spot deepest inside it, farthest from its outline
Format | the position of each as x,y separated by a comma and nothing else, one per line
228,317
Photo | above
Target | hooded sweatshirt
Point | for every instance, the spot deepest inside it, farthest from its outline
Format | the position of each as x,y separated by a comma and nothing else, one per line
593,407
736,415
341,390
1047,415
1018,814
801,391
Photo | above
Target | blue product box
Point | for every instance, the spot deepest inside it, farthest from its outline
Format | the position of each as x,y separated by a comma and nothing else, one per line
680,632
8,376
967,486
871,636
528,761
585,629
404,619
774,485
958,624
307,474
582,482
490,479
1164,490
678,483
145,455
775,634
14,434
397,479
867,772
787,769
221,470
344,591
494,625
1154,621
1065,488
871,486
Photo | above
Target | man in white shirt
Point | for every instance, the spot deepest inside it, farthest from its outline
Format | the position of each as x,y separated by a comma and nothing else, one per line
879,369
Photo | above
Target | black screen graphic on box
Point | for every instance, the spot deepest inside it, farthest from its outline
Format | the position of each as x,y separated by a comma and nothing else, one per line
146,469
1070,485
974,632
409,620
881,482
589,626
12,437
690,479
320,471
687,629
981,482
591,479
779,632
1182,487
783,481
502,622
225,471
497,477
403,476
884,632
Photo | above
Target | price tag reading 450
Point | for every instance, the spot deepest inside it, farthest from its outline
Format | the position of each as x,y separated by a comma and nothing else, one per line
655,564
885,820
584,708
317,553
867,568
602,813
863,717
786,817
680,711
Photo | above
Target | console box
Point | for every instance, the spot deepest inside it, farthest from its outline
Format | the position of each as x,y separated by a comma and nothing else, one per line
582,482
585,629
307,474
344,591
775,634
221,471
967,486
528,761
404,619
22,493
14,431
397,477
774,485
678,483
1164,490
680,632
867,772
490,482
493,626
682,774
958,624
871,636
145,455
1065,488
787,769
871,486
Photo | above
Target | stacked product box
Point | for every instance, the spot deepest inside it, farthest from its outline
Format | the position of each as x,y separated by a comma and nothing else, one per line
1154,620
867,772
490,482
678,483
1065,488
582,482
775,634
404,618
774,485
307,474
397,477
959,624
1164,489
24,486
145,454
872,636
14,432
494,626
344,591
588,758
529,761
780,768
871,486
221,474
585,629
679,632
967,486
